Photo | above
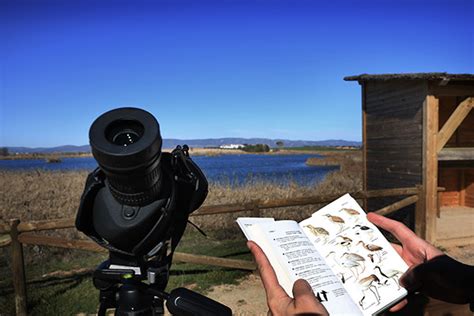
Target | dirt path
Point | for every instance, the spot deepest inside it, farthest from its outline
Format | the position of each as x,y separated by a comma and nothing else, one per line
248,297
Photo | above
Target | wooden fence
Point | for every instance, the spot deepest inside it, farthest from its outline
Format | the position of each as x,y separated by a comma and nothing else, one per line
25,232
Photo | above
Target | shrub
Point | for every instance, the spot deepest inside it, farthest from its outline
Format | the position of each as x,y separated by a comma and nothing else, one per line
258,148
4,151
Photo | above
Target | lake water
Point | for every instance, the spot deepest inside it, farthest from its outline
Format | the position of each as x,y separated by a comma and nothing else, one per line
227,169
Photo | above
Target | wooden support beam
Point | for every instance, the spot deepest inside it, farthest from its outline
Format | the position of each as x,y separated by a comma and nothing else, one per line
398,205
456,154
430,165
420,214
453,122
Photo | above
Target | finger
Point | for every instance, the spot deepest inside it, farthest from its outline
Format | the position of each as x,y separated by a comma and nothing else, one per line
267,274
400,231
399,306
398,248
305,301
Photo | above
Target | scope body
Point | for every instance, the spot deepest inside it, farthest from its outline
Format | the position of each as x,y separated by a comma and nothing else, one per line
136,204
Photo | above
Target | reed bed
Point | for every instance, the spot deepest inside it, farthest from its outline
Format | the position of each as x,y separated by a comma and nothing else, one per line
41,195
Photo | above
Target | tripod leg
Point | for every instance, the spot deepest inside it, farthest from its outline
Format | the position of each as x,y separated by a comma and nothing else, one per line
102,310
158,307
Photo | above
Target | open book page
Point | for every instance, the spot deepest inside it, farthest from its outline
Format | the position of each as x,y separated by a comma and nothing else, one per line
293,257
358,253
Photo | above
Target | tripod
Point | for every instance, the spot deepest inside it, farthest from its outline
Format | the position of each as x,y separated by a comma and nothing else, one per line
125,290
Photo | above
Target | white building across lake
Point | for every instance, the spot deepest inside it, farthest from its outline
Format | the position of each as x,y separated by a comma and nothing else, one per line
231,146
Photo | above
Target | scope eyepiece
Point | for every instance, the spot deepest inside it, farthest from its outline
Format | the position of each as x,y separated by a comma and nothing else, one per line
126,143
124,132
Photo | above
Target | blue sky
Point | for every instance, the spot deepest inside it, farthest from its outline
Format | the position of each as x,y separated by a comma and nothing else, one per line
210,69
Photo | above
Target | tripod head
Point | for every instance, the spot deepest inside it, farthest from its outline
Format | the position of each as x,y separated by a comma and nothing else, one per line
125,291
136,204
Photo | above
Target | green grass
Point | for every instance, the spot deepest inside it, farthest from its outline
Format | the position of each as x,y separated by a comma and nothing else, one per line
66,296
56,296
202,277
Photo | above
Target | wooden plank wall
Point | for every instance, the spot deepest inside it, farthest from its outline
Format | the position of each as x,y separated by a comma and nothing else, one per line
394,138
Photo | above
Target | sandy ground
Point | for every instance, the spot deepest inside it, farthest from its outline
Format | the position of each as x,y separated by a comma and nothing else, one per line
248,297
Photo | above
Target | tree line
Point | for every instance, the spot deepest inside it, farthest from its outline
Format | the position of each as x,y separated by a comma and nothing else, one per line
257,148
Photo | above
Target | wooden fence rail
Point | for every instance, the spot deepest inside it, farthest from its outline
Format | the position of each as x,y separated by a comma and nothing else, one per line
23,232
227,208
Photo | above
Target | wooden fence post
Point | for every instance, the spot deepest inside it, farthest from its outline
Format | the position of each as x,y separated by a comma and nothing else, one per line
420,213
18,270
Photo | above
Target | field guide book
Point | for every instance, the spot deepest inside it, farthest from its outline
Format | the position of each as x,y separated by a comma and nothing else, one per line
350,265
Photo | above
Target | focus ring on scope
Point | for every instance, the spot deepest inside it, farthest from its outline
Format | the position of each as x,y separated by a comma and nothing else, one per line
134,199
148,194
136,182
149,188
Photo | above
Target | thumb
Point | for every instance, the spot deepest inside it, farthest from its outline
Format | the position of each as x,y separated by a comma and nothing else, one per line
304,300
301,288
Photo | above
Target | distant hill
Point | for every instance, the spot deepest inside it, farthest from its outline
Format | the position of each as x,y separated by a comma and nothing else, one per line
59,149
216,142
201,143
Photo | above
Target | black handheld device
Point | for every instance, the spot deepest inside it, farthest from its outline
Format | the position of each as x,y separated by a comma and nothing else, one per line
136,204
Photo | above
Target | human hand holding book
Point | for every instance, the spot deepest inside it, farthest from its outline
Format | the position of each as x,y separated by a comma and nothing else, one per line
304,302
413,250
431,272
350,266
427,266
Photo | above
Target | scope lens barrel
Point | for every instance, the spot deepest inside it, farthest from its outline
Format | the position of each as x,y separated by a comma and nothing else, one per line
126,143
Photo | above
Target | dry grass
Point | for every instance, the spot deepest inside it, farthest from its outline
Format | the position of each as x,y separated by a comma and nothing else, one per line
334,183
349,161
41,195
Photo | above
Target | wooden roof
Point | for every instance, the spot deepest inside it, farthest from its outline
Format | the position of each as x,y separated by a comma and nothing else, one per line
429,76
